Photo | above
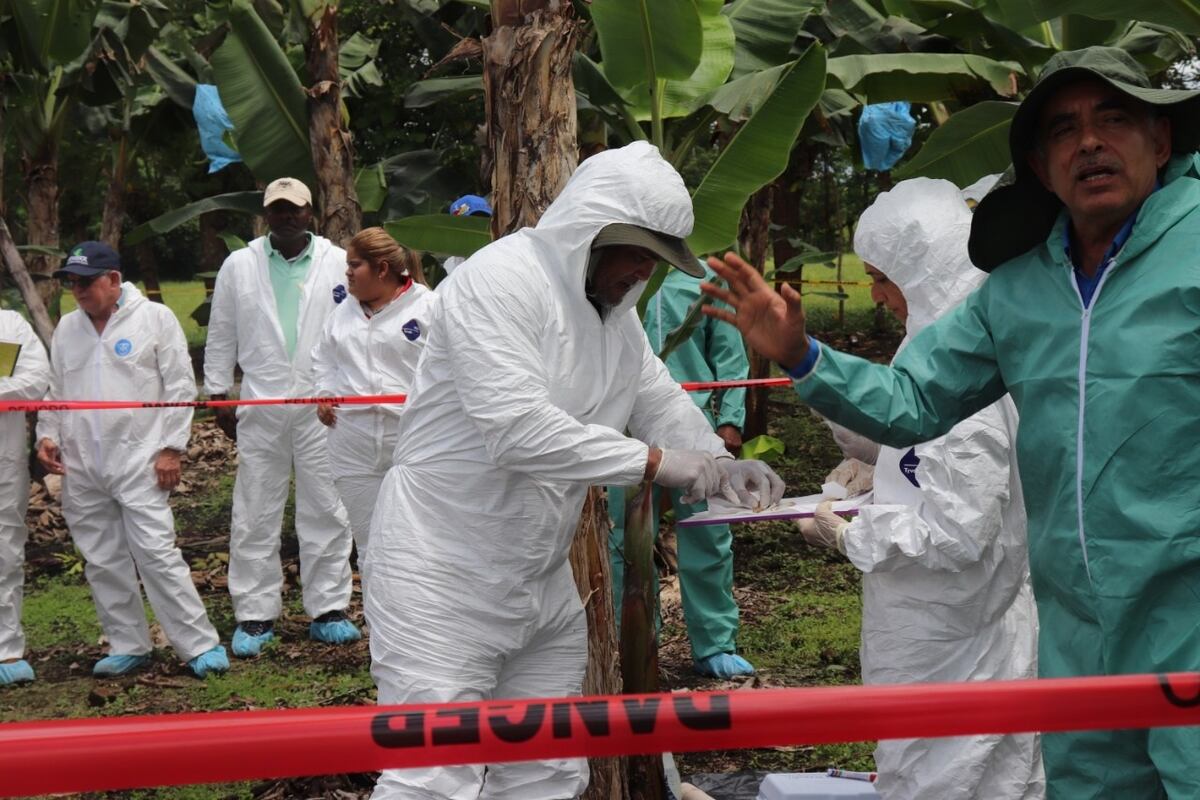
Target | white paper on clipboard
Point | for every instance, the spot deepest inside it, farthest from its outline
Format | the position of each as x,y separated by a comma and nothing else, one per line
719,512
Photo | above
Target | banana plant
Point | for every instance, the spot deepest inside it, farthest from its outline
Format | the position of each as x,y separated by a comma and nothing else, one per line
973,141
62,53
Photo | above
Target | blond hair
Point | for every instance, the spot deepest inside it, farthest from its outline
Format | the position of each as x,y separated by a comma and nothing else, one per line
375,246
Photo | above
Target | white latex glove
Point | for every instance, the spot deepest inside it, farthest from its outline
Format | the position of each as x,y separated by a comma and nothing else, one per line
693,471
825,528
753,482
853,474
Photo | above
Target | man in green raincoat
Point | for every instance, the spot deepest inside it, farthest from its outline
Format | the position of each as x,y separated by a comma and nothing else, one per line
1090,319
713,352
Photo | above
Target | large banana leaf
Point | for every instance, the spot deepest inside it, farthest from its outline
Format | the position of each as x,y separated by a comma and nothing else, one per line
264,99
920,77
441,233
681,98
179,86
765,31
433,90
49,32
243,202
960,21
857,27
972,143
1156,47
740,98
644,40
756,154
1183,15
356,64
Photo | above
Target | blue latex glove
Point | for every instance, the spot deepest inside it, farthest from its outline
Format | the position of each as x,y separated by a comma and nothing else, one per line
16,672
885,131
723,665
334,627
111,666
249,638
214,661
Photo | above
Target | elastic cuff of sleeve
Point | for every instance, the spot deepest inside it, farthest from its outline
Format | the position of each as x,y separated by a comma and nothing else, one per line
841,537
806,366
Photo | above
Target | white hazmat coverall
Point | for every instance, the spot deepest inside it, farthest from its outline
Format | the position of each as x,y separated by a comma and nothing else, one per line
519,405
28,382
946,591
244,328
119,518
357,356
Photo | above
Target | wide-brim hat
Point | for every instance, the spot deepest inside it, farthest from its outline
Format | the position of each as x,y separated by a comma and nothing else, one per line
1018,213
670,249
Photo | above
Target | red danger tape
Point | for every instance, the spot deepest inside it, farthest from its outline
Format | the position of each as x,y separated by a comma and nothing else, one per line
130,752
106,405
364,400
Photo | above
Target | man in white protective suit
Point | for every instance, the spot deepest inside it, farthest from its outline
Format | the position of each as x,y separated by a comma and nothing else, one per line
946,591
535,367
269,305
119,466
26,379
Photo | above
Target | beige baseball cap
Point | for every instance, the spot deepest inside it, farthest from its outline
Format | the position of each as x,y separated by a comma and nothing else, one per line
289,189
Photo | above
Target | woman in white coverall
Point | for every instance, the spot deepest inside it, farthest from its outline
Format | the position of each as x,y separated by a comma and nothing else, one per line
946,592
370,346
536,364
118,466
26,381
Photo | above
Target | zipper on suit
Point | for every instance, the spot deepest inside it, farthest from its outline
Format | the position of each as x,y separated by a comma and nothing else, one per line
1085,328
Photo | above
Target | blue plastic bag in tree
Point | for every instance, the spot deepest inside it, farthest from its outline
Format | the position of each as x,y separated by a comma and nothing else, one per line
212,122
885,131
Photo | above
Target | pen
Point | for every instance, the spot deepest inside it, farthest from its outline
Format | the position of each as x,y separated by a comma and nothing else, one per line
852,775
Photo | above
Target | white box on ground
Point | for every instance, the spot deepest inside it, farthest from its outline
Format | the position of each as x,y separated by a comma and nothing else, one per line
814,786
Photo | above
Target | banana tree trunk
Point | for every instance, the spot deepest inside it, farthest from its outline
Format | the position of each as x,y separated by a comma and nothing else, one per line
532,149
530,100
639,634
41,185
593,577
42,324
339,215
114,199
755,242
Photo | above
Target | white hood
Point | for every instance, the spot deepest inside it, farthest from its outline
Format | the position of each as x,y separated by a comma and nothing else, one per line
916,234
633,185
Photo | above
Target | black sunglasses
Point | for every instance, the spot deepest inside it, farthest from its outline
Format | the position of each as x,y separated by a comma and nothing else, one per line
78,282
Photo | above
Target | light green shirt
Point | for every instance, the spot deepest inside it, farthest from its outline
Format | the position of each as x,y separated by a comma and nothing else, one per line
287,276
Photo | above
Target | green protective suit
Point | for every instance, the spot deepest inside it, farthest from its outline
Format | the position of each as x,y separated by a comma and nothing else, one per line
1107,451
713,353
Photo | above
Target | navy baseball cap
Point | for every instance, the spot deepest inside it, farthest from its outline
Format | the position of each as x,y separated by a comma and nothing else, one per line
90,258
470,205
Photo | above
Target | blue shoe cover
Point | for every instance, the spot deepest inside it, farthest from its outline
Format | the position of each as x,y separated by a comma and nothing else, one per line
111,666
336,630
16,672
214,661
723,665
246,644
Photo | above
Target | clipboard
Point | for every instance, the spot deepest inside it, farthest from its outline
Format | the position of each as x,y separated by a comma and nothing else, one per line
720,512
9,353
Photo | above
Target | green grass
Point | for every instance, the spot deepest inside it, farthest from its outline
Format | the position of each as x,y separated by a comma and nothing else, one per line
59,612
182,297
